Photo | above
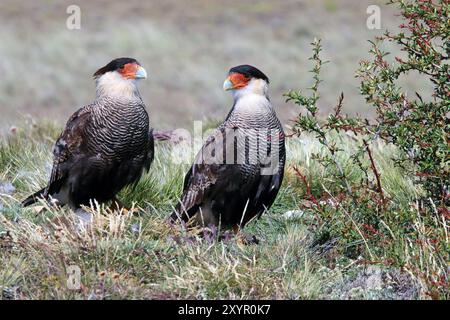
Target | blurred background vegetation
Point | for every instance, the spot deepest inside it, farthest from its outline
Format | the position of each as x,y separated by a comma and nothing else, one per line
187,48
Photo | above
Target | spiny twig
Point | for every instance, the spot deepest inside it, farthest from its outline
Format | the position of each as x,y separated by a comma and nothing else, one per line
375,171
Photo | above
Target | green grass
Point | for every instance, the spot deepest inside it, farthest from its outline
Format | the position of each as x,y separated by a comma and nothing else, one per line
139,256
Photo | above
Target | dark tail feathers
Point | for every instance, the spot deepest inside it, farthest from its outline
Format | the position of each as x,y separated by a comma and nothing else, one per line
33,198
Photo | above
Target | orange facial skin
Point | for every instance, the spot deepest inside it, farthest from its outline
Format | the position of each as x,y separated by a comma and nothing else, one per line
128,71
238,80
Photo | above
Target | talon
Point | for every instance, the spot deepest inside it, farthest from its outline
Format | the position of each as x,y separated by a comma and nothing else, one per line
243,238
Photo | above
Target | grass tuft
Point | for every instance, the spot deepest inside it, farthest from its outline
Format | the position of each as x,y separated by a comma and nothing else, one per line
137,255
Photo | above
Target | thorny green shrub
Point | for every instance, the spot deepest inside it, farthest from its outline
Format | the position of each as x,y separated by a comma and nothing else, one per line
353,212
417,125
350,204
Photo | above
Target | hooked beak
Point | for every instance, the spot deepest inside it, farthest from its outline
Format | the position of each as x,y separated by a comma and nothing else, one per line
228,85
140,73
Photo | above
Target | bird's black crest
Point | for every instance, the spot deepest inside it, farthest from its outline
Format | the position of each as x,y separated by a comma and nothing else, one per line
114,65
250,72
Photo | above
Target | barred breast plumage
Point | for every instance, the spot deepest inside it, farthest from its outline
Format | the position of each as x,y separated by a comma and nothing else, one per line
119,129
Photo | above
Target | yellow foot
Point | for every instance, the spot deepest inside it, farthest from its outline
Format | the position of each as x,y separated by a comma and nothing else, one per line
117,205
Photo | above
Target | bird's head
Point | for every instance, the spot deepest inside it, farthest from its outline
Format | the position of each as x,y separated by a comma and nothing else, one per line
127,68
246,79
118,77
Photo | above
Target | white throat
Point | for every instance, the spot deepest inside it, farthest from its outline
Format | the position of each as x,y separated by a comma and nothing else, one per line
254,87
253,98
112,84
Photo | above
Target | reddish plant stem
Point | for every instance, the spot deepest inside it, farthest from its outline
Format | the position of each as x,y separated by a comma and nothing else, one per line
375,172
308,189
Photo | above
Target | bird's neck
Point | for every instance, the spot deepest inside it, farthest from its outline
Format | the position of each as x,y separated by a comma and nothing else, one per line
256,87
252,103
113,85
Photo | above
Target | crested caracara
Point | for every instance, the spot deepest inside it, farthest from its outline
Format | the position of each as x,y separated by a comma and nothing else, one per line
239,170
105,145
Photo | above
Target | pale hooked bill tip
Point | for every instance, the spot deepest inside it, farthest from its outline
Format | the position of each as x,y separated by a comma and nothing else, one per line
141,73
227,85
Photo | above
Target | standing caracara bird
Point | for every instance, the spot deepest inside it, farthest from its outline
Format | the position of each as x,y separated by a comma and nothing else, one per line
239,170
105,145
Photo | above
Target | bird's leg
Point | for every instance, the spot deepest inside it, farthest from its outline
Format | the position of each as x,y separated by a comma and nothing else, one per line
242,237
116,204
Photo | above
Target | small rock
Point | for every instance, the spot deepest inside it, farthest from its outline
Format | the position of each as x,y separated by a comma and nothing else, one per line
135,227
373,280
6,188
293,214
84,218
377,282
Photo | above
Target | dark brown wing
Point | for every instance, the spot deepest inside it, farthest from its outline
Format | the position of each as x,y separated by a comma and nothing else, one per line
267,190
151,150
70,143
269,185
202,176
